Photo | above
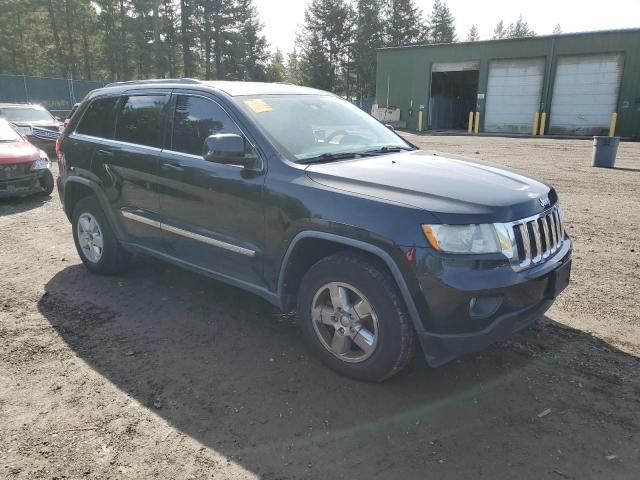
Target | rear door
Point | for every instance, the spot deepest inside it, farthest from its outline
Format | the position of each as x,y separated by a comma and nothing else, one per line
128,165
212,214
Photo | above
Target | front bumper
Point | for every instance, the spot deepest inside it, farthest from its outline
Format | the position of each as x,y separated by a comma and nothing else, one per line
25,185
514,301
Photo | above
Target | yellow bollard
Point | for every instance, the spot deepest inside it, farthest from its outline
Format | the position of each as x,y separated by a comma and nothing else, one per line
476,128
536,119
470,128
543,123
420,121
612,125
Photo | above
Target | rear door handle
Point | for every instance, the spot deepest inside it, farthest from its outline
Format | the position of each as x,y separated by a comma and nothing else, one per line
171,166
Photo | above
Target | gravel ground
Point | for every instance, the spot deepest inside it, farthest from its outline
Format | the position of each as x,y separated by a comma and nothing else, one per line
161,373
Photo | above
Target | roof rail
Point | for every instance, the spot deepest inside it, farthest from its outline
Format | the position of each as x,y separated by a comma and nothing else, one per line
189,81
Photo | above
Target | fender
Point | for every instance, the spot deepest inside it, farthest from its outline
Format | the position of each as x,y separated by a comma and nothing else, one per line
102,199
360,245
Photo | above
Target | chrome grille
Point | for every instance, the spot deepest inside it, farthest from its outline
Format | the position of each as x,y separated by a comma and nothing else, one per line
45,134
536,238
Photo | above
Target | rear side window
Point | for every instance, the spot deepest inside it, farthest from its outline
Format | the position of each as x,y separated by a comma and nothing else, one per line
141,120
97,121
196,118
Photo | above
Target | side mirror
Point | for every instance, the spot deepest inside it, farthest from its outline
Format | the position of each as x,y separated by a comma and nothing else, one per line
228,149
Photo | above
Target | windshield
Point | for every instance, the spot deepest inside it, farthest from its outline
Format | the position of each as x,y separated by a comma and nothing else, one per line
312,126
26,114
8,134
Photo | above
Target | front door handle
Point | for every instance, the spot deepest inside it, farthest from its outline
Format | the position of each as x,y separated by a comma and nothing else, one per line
171,166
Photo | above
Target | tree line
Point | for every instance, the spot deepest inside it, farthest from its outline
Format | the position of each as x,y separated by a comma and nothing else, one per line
112,40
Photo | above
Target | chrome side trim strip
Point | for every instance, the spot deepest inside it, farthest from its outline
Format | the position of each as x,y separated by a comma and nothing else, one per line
187,234
208,240
141,219
113,142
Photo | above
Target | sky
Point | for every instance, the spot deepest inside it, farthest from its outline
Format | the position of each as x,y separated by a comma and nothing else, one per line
282,17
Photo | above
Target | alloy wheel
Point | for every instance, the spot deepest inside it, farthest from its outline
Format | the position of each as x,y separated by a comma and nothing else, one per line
345,322
90,237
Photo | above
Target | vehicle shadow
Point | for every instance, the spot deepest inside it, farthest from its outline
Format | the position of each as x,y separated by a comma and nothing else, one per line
14,205
230,371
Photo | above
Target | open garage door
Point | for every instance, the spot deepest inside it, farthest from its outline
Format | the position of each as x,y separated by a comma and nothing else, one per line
513,94
454,89
585,94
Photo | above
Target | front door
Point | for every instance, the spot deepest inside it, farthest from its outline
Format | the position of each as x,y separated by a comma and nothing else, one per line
212,214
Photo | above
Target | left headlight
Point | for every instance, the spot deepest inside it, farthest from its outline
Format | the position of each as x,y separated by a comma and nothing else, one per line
42,163
481,238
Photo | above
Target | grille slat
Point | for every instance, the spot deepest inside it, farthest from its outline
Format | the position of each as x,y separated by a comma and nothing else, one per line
536,241
526,243
556,218
537,238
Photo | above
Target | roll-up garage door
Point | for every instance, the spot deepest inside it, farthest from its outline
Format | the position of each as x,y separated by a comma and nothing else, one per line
513,94
585,94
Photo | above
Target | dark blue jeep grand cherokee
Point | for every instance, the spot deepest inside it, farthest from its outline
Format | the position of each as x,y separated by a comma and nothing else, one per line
299,197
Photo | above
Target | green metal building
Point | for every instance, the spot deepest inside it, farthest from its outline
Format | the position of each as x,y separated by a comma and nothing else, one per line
556,85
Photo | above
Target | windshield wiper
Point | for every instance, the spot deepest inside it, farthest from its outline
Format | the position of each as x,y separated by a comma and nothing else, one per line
331,157
388,149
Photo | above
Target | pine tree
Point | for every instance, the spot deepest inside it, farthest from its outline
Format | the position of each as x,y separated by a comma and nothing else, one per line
473,35
276,71
315,67
326,33
186,31
499,32
293,68
248,57
405,25
520,29
368,37
442,26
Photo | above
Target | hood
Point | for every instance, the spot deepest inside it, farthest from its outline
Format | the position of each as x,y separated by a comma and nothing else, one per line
18,152
455,190
49,125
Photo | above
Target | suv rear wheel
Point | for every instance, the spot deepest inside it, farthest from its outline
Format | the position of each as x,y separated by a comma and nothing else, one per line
352,315
95,241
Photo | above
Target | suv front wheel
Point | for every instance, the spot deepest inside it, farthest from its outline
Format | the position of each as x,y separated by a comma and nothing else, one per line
95,241
352,315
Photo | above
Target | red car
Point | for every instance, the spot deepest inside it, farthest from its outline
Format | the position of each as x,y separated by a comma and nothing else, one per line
24,169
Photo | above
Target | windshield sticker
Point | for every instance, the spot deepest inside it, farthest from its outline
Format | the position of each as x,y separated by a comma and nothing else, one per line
258,105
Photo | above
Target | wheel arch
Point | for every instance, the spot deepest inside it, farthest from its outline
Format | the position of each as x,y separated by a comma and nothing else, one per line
297,261
76,188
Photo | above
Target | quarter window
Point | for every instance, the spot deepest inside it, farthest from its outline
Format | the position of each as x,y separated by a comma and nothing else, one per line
97,120
141,120
195,119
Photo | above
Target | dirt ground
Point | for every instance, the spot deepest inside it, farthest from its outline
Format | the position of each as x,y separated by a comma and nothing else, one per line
161,373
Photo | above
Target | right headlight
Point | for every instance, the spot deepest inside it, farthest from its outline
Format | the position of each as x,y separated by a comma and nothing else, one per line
42,163
482,238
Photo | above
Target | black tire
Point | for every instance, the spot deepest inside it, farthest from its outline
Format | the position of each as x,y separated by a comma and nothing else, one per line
396,341
46,182
114,258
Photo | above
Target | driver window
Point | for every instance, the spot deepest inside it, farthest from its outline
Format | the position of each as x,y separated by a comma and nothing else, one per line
196,118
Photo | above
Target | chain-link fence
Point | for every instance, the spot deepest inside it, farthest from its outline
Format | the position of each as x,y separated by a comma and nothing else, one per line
58,95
